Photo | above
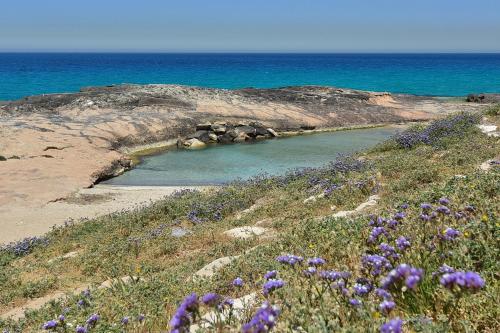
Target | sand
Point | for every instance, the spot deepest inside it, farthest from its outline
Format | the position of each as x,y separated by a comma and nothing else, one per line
19,222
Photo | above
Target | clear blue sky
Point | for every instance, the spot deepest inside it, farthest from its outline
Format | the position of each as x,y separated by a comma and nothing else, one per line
251,25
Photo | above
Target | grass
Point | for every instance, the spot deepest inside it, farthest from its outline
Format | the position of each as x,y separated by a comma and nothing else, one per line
139,244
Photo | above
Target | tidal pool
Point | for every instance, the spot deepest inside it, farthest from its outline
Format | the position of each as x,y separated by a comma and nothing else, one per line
220,164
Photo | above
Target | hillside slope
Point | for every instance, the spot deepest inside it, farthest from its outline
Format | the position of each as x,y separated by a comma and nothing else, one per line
407,230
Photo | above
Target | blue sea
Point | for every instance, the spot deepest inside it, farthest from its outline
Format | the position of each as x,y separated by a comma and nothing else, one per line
23,74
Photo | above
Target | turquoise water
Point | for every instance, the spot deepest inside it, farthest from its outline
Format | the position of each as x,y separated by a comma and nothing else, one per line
23,74
222,163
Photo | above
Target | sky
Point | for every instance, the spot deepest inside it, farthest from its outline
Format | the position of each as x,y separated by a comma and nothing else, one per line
250,25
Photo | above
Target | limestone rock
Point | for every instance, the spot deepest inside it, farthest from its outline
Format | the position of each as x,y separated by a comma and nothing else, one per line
65,256
272,132
194,144
124,279
213,137
246,232
210,269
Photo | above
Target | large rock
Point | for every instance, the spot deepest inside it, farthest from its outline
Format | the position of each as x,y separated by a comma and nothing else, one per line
193,144
225,138
218,128
272,132
248,130
242,137
204,126
202,135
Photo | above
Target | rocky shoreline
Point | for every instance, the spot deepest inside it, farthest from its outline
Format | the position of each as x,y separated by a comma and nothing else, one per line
51,146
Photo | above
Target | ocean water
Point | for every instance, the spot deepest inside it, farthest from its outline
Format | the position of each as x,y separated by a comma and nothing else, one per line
223,163
23,74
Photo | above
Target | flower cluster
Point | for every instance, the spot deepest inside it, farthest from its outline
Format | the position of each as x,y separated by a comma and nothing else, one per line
289,259
404,272
375,264
25,246
462,281
185,314
263,320
271,285
453,126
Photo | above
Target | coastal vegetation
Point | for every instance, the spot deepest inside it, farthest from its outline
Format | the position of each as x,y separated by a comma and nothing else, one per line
423,258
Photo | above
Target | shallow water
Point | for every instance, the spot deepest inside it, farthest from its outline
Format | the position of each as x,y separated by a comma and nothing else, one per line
223,163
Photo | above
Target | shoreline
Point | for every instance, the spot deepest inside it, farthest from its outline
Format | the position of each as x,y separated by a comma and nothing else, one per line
136,153
53,147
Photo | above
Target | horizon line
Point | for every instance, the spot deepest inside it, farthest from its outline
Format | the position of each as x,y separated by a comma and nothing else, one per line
239,52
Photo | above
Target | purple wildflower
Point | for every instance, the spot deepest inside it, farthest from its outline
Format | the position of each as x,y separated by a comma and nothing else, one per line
392,326
399,216
425,217
386,306
402,243
289,259
50,325
238,282
81,329
443,210
462,280
272,285
411,276
444,201
140,318
310,271
211,299
333,275
450,234
93,319
316,261
376,232
382,293
270,275
444,269
182,317
355,302
375,264
263,320
361,289
388,251
426,206
392,223
61,318
125,320
404,206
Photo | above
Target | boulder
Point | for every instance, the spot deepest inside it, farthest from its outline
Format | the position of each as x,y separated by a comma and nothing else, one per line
204,126
473,98
225,138
212,136
242,137
218,128
307,127
202,135
194,144
272,133
248,130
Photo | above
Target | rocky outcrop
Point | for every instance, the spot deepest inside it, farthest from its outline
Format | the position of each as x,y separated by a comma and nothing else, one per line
95,125
225,133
